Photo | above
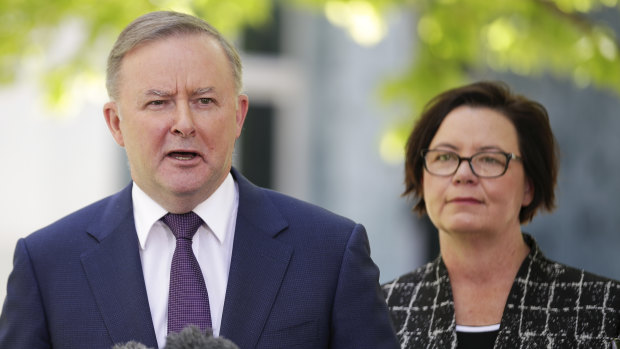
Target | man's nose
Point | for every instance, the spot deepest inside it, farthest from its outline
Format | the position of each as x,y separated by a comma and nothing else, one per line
183,124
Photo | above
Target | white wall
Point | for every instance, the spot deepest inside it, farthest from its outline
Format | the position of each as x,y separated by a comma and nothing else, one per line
52,164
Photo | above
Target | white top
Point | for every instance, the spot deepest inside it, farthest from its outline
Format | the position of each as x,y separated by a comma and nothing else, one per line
212,245
477,329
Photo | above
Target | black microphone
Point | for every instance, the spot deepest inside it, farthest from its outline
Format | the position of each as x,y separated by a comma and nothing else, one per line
190,338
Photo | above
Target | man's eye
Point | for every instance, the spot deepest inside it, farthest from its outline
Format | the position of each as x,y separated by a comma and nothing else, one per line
158,102
205,100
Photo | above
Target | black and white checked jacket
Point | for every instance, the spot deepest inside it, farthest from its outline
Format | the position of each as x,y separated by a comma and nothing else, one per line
550,305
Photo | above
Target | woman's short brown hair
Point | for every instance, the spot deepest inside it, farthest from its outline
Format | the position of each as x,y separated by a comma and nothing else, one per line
536,141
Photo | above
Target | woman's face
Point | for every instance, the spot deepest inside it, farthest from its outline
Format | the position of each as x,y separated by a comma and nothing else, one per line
463,202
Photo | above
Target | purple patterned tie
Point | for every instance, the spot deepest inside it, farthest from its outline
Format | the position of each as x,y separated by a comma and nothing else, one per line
188,301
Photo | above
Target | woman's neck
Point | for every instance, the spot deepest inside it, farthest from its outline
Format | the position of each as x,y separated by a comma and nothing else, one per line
482,269
482,255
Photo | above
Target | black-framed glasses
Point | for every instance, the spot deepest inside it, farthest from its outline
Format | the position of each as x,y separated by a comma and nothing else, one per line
486,164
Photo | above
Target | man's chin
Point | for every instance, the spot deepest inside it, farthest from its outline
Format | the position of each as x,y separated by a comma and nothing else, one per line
191,188
189,185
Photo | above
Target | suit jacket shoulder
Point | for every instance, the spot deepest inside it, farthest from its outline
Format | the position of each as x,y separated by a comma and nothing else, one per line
78,282
98,219
301,277
254,200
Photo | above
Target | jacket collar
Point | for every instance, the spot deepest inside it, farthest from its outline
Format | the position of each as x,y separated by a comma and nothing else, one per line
259,262
114,272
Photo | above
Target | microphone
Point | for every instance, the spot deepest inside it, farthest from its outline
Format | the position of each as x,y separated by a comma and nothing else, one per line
190,338
131,345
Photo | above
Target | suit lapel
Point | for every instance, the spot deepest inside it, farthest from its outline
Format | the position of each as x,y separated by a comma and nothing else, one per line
114,272
258,266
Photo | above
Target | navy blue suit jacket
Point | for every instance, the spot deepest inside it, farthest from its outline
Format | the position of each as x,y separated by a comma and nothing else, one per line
300,277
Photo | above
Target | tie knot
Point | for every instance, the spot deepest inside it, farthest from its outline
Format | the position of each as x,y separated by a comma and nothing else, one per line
184,225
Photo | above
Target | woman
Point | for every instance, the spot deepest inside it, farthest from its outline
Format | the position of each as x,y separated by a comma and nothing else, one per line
482,161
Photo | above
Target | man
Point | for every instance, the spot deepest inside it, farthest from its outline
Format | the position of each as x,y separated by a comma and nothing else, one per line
263,270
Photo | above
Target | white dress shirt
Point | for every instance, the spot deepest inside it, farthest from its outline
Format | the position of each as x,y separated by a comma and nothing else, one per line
212,246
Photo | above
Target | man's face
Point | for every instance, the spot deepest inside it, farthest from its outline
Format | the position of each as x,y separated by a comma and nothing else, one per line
178,116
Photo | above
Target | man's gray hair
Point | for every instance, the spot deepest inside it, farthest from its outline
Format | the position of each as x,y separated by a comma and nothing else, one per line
159,25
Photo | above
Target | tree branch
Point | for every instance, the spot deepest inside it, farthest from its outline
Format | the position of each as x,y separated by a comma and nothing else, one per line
584,23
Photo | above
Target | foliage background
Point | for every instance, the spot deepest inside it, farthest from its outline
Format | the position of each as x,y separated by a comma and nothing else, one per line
573,40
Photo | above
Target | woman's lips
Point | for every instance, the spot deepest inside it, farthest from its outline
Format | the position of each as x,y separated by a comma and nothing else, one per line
465,200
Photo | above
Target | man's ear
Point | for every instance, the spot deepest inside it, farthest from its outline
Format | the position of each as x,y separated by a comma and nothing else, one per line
243,103
113,119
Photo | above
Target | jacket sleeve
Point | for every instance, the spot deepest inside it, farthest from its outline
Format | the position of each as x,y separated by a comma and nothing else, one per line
360,317
22,322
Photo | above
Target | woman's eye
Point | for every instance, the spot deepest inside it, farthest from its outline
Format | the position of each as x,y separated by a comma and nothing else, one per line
444,157
491,160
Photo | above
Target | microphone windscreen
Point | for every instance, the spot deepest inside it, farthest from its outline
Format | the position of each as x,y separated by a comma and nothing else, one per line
192,338
131,345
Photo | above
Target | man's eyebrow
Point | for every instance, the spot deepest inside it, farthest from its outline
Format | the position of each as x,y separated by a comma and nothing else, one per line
202,91
159,93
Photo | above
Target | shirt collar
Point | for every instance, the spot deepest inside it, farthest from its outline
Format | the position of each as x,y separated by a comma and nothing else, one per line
215,211
218,208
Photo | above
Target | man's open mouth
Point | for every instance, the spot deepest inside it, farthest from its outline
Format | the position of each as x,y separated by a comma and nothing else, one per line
183,155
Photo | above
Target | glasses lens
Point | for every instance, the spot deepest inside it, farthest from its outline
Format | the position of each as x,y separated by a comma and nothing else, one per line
442,163
489,164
